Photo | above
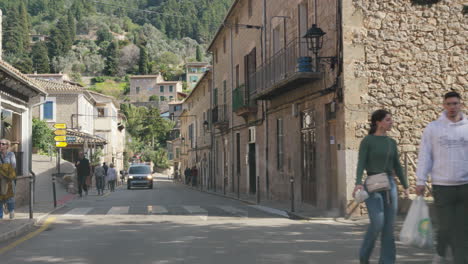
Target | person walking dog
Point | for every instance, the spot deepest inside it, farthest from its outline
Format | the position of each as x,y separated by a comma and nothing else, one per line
378,155
444,155
7,177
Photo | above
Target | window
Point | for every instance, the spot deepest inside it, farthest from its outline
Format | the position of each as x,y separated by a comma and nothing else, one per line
276,40
177,151
193,79
216,55
237,75
48,110
250,8
237,26
171,98
279,143
215,96
137,90
191,135
193,70
161,88
238,156
162,98
224,92
171,88
101,112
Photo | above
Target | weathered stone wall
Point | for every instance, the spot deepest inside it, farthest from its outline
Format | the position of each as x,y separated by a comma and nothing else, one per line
402,57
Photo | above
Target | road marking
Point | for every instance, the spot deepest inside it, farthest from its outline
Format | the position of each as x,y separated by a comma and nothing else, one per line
44,226
156,209
197,210
233,210
118,210
80,211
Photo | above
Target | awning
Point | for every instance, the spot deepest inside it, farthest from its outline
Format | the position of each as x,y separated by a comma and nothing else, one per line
82,137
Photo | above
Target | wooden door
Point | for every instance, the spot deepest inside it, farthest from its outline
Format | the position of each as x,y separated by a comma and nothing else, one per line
309,157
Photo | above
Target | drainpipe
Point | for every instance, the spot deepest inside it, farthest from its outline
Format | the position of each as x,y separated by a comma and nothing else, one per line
232,114
265,103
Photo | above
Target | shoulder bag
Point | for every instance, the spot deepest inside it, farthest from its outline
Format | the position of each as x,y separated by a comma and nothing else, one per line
379,182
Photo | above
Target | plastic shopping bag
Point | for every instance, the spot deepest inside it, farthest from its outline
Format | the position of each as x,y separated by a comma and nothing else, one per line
417,228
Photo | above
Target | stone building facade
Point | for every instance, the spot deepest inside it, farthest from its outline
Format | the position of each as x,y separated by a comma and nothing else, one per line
276,120
194,71
144,86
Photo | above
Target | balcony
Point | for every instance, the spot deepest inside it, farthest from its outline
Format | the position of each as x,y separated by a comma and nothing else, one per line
220,118
286,70
242,105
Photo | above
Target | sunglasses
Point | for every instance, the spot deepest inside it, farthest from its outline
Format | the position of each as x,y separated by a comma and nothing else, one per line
3,144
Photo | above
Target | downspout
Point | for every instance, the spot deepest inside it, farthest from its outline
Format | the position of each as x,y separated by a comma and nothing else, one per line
232,113
213,158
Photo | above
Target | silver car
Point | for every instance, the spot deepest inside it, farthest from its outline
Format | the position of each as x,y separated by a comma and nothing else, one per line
140,176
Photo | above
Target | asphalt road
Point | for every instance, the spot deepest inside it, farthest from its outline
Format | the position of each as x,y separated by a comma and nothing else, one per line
175,224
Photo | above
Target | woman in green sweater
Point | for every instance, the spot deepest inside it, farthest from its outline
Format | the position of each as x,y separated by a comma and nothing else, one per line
378,153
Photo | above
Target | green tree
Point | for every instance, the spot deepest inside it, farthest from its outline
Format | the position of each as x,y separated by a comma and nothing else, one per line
199,55
72,25
112,60
25,25
103,34
42,135
40,58
153,98
64,29
143,64
13,37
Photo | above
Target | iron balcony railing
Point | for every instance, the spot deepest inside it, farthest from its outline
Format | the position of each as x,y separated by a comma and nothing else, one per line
220,114
295,58
241,98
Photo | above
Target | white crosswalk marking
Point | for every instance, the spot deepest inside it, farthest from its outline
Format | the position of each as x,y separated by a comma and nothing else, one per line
118,210
157,209
80,211
197,210
233,210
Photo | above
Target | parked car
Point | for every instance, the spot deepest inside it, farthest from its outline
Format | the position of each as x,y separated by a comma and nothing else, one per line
139,176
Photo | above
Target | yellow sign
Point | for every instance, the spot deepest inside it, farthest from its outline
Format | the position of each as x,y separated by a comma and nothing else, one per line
60,133
60,138
61,144
60,126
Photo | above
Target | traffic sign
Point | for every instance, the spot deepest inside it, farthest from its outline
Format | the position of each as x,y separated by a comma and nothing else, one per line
60,126
61,144
60,138
60,132
71,139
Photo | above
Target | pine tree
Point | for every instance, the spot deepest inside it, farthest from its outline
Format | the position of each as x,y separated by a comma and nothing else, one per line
199,55
25,25
143,62
55,43
13,33
112,60
72,25
64,28
40,59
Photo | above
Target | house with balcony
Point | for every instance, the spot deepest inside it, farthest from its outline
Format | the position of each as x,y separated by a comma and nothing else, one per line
194,71
109,125
142,87
74,106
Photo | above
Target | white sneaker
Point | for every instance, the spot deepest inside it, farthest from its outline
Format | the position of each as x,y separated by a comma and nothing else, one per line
438,260
12,214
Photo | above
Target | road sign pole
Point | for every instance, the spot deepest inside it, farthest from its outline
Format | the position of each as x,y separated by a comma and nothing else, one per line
54,177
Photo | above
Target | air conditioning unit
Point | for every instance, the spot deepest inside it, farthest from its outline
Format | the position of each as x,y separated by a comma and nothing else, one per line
251,134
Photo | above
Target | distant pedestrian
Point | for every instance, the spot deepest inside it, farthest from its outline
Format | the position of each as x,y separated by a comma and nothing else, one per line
7,179
83,171
194,174
187,173
104,165
100,176
112,177
444,155
378,154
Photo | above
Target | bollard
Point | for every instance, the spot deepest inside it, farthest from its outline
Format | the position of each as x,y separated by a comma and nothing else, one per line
291,180
53,188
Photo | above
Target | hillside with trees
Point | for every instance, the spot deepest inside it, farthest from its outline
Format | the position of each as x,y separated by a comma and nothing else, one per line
109,37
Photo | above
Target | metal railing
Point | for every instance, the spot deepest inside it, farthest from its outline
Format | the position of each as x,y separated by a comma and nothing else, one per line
281,66
241,98
220,114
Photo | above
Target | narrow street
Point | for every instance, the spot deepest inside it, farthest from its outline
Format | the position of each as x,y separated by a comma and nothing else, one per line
176,224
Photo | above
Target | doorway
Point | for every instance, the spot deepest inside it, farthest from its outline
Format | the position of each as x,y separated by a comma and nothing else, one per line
309,157
252,169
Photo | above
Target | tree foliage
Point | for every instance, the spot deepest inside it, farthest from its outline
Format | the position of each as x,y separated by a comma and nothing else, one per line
40,58
42,135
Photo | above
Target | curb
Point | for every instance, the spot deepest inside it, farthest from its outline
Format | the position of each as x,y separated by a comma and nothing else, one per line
25,228
292,216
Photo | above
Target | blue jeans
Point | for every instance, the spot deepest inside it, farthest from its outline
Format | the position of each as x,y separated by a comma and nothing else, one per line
382,209
10,202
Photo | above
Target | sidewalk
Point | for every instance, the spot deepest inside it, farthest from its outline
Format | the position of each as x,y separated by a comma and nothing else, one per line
43,166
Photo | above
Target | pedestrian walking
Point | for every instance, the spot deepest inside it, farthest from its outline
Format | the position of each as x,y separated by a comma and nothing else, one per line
100,176
444,155
378,156
112,177
106,168
83,171
187,173
7,179
194,174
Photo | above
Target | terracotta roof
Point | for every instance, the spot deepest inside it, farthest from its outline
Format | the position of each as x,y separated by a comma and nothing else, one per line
21,77
169,82
144,76
198,63
51,86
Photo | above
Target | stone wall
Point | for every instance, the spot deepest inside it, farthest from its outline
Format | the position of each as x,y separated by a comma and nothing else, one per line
402,57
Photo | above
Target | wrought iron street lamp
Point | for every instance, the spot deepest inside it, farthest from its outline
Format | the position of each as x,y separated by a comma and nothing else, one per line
314,37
